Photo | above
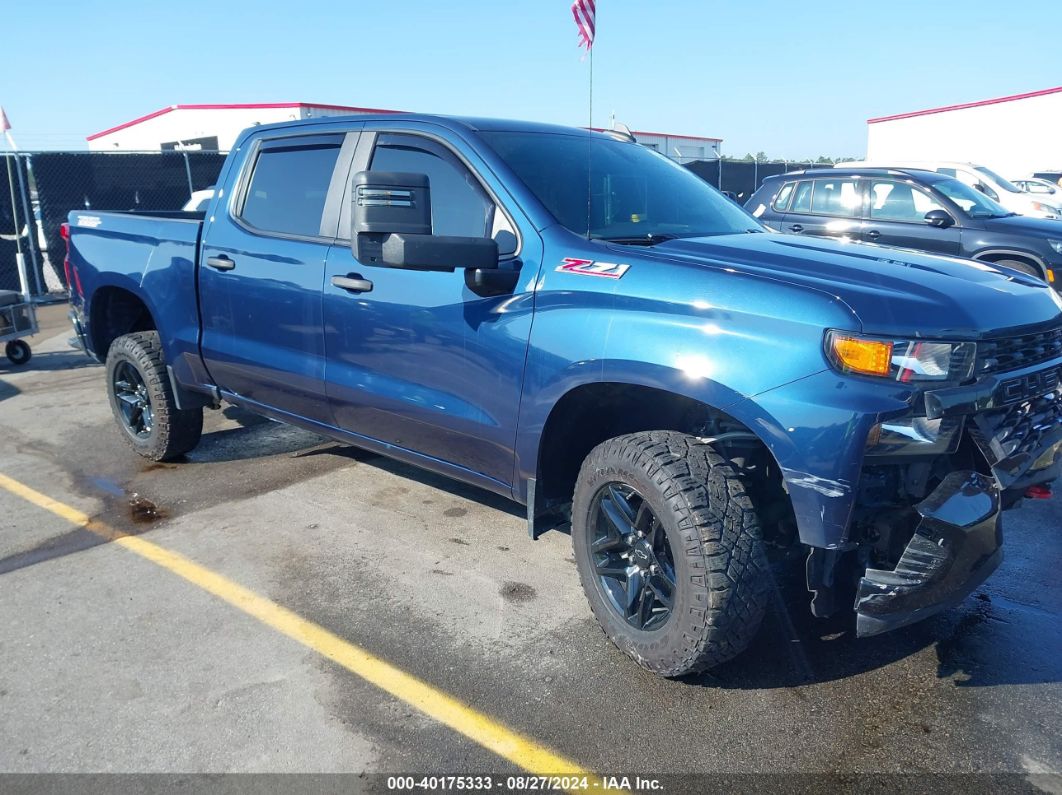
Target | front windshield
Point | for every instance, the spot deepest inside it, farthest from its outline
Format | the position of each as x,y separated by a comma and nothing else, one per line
1005,184
974,203
635,195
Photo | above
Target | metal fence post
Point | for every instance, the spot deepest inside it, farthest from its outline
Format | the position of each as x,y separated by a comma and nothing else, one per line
36,259
188,173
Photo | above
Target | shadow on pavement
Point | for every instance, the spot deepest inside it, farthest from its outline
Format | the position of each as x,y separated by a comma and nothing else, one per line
48,361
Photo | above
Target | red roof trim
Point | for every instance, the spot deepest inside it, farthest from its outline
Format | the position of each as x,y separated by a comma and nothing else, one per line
966,105
235,106
109,130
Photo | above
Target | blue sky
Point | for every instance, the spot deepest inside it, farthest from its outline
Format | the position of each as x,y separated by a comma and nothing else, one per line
793,80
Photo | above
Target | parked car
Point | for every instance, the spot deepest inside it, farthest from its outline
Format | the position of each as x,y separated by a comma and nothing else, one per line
198,201
921,210
1044,187
570,320
983,179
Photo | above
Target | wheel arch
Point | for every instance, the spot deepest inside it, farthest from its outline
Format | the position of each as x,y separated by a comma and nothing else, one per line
999,254
590,413
116,309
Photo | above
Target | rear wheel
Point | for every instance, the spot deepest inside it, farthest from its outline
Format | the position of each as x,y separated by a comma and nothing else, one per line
142,399
18,351
668,550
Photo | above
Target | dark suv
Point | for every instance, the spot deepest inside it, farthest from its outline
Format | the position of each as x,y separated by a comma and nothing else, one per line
909,208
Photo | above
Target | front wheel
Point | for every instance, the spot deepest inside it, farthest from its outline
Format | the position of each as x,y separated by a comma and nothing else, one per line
142,399
669,554
1019,265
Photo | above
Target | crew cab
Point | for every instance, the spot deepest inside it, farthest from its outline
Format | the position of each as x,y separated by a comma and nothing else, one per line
575,322
911,209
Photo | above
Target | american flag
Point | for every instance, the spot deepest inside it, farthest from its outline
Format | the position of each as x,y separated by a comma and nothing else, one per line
583,11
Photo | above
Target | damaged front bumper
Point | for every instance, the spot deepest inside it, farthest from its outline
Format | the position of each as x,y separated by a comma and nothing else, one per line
955,547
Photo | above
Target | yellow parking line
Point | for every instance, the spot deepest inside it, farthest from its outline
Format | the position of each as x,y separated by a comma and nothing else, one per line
478,727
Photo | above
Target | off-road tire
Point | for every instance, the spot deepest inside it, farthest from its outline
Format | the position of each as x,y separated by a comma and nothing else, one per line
714,535
174,431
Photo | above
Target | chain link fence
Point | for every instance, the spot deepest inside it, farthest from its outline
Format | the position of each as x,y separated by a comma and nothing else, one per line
743,177
44,187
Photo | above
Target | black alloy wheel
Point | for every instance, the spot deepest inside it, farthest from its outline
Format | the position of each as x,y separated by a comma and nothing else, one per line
134,403
631,557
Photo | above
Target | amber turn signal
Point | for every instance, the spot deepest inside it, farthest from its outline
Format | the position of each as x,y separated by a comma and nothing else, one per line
869,357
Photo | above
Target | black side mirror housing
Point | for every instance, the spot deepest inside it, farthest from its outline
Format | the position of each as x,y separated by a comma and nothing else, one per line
390,223
939,218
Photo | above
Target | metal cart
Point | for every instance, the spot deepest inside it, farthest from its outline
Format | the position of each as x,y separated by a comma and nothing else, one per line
18,318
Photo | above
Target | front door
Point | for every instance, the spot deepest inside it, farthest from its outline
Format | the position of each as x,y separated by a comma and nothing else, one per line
420,360
897,217
263,262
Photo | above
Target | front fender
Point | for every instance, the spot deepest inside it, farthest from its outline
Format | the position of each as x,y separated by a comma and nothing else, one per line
816,428
704,334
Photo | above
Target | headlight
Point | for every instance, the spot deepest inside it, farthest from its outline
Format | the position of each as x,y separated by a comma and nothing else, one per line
1045,208
1056,245
906,361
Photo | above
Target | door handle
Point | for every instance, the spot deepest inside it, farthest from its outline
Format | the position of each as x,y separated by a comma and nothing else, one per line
796,228
352,283
873,234
221,263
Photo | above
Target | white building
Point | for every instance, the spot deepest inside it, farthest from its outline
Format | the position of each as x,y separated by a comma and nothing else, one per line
1014,135
208,127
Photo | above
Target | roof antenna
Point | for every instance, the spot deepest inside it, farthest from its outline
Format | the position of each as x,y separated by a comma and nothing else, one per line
622,132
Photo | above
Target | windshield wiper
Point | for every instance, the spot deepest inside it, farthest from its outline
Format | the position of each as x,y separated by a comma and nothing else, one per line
644,240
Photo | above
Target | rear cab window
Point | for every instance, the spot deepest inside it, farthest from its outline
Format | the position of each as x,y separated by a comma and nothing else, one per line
288,186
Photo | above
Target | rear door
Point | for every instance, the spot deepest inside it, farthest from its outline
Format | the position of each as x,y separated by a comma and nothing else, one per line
896,217
825,207
420,360
263,260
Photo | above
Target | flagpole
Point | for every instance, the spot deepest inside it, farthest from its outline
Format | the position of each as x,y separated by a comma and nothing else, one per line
589,144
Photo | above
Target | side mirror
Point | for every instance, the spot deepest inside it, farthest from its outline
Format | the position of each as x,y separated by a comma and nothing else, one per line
939,218
390,222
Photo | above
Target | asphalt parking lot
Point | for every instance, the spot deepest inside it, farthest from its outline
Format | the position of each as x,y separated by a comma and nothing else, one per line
115,663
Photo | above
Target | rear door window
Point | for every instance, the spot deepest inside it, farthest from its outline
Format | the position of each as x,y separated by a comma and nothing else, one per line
802,198
836,197
289,185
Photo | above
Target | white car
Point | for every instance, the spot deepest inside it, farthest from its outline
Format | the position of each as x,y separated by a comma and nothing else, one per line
198,201
985,180
1040,187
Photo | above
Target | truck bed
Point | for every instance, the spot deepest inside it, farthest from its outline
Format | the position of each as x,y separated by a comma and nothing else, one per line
149,254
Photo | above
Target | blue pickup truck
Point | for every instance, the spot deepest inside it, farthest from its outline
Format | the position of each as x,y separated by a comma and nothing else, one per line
573,321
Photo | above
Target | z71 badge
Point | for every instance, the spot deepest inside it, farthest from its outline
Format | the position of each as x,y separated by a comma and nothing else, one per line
589,267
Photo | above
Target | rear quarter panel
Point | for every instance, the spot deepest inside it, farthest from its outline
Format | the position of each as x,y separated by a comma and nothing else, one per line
151,257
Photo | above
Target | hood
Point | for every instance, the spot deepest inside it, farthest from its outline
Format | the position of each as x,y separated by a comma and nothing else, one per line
891,291
1025,225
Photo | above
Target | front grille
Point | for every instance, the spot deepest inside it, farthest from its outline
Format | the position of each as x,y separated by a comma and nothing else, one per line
1013,353
1013,437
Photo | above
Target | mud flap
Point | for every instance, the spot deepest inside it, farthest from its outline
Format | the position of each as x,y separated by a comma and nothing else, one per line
955,547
